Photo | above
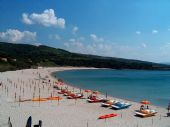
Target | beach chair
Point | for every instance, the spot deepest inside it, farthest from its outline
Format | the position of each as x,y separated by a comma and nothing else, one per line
39,124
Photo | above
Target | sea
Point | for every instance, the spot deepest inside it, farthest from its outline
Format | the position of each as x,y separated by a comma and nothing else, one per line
134,85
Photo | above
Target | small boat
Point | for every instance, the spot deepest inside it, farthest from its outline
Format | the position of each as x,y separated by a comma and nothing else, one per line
95,99
75,96
120,105
108,103
68,93
107,116
63,91
145,113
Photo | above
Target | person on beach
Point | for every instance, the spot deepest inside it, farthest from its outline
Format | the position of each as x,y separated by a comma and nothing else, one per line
141,107
147,107
168,107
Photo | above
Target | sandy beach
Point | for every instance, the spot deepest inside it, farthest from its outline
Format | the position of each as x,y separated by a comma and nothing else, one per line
28,84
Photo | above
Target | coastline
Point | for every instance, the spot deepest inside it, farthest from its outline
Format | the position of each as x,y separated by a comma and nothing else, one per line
101,93
67,113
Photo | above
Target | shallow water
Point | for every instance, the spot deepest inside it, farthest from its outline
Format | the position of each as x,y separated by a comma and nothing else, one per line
128,84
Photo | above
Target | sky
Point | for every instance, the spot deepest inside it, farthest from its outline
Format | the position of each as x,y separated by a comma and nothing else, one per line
132,29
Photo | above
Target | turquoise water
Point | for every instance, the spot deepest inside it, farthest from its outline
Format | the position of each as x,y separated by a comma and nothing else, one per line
128,84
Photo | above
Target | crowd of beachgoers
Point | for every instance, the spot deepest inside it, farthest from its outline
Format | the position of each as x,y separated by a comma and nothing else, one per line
33,97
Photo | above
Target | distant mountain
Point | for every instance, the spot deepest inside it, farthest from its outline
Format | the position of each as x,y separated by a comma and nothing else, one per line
167,63
20,56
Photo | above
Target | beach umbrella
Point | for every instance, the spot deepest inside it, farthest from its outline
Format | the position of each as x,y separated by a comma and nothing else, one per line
87,91
146,102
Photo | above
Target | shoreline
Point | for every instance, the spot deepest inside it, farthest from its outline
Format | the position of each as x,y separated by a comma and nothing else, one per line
102,94
66,113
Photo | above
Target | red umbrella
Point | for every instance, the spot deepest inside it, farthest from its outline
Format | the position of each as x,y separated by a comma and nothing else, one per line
145,102
87,91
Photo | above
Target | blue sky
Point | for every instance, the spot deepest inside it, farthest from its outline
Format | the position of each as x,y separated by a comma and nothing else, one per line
134,29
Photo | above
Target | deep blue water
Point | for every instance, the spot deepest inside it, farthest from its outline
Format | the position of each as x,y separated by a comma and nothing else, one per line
128,84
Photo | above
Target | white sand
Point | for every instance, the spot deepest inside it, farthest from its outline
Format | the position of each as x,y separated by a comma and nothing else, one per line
66,113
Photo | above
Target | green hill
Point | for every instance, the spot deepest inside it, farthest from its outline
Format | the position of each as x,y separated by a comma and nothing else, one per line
20,56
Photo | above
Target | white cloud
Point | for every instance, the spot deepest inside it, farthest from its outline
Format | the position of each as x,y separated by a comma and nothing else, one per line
14,35
47,18
57,37
154,31
144,45
78,45
75,46
26,20
54,37
75,29
138,32
72,40
95,38
37,44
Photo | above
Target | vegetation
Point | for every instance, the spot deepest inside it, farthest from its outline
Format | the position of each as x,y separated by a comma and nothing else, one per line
20,56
